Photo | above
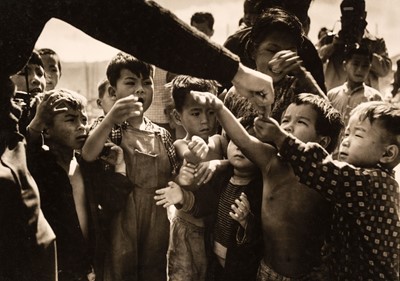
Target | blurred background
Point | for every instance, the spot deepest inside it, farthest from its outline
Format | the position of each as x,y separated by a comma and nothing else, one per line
84,59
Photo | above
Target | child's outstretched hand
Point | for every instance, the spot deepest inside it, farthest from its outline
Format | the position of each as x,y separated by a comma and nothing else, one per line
268,130
241,210
197,150
124,109
205,170
186,174
170,195
207,99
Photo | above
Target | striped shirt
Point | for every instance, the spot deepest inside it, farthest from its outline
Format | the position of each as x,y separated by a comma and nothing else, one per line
225,227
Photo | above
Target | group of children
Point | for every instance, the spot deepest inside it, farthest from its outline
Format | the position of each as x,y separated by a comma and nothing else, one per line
260,200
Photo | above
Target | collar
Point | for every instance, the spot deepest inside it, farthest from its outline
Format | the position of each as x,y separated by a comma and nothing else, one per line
352,91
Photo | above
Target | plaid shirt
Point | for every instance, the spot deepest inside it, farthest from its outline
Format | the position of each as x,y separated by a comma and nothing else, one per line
115,136
365,228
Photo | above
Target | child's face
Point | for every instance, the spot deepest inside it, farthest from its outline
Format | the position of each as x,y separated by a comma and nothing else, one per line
364,143
131,84
69,129
197,119
106,102
357,68
36,79
266,50
238,160
52,71
300,121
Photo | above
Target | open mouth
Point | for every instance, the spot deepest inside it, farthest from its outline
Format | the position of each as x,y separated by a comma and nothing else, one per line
141,100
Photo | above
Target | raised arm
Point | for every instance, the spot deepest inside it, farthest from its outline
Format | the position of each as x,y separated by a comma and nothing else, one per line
122,110
256,151
338,182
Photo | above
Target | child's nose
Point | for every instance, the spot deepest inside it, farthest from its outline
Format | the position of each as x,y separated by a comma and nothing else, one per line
139,90
288,128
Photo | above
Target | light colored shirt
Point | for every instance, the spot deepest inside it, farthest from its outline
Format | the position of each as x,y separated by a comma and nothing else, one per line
345,99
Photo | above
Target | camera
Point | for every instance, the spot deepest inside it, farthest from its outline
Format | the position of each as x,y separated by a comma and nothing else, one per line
353,21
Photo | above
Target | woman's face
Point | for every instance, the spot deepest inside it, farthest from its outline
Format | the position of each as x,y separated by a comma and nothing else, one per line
267,48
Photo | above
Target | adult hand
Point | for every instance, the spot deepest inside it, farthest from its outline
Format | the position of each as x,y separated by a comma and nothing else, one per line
255,86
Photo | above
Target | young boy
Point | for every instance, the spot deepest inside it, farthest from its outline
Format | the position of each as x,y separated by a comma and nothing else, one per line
203,22
29,82
364,235
357,65
274,40
52,67
294,218
141,230
186,251
75,198
231,204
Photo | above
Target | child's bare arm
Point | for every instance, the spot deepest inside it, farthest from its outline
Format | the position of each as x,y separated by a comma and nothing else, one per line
122,110
193,151
255,150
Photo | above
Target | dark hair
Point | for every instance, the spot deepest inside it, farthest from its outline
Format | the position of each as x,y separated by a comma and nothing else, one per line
50,52
181,86
387,114
329,121
361,50
297,7
201,17
102,87
125,61
275,20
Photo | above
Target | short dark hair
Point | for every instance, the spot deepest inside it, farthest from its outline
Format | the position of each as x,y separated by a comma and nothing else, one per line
126,61
181,86
201,17
275,20
298,7
358,50
50,52
387,114
329,121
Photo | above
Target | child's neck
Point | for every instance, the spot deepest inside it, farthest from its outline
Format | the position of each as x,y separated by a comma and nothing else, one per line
353,85
241,178
136,122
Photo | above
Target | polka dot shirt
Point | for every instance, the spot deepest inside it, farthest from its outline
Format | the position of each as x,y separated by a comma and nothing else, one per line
364,237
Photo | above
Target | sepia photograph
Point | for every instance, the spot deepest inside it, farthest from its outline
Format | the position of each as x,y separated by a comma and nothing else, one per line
202,140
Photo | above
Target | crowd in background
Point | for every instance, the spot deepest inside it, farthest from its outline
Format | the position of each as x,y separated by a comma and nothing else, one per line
188,174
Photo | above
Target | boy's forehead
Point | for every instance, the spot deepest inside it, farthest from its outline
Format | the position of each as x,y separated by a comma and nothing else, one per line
300,110
127,73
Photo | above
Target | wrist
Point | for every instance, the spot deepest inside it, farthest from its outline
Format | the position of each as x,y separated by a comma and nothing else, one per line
280,139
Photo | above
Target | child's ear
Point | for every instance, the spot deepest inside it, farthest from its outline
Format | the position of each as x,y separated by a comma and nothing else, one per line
112,92
324,141
177,117
98,102
390,155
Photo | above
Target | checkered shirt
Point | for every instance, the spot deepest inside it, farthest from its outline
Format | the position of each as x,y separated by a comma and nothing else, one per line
364,237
